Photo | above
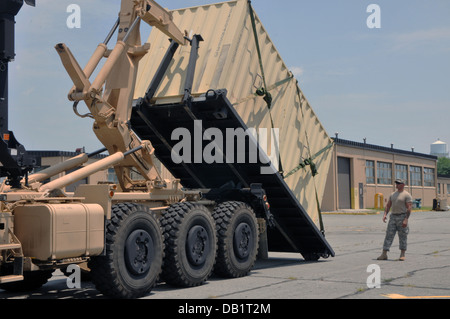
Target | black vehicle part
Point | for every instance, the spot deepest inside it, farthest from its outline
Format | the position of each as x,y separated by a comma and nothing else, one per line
16,163
294,231
32,280
191,244
237,229
133,256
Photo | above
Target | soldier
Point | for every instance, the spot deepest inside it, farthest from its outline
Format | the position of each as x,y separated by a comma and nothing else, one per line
401,203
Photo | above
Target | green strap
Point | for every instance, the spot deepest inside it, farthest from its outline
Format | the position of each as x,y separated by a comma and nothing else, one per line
261,91
269,88
268,98
310,162
279,83
322,228
264,90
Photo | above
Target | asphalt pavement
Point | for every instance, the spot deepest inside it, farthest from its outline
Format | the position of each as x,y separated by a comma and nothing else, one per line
354,273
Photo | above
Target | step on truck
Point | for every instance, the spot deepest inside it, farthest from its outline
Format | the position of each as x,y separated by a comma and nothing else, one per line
173,101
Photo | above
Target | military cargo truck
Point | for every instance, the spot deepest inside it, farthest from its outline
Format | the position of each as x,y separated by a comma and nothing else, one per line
214,104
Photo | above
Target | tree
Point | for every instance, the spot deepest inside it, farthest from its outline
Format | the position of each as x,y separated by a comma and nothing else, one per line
444,167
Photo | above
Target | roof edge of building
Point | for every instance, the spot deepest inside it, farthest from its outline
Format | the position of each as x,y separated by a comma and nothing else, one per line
344,142
55,153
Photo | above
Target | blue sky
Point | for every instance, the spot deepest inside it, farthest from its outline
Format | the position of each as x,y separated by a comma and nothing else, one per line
389,85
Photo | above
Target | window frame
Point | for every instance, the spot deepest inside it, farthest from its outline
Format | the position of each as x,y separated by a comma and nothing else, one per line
429,179
370,172
416,171
384,173
402,173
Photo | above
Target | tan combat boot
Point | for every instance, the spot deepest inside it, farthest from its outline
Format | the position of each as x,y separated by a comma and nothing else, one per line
383,256
402,255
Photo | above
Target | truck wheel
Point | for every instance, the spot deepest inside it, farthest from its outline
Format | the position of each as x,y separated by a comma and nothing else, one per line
32,280
238,239
311,256
133,253
191,244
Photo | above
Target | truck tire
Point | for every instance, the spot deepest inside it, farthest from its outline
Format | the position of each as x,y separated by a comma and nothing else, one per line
190,244
32,280
311,256
133,256
238,239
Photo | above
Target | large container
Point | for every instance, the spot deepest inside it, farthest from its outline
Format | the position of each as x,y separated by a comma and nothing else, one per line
228,59
58,231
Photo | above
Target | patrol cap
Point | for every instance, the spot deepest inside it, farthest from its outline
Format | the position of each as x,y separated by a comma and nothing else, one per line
399,181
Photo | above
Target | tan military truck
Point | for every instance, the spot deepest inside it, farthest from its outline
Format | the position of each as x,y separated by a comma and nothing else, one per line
215,215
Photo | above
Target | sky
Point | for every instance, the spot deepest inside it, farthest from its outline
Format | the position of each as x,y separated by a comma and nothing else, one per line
390,85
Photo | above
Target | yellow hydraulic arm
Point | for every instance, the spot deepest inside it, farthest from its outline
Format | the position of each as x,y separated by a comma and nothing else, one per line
109,96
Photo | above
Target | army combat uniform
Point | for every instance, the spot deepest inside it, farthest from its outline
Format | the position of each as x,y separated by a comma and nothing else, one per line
398,214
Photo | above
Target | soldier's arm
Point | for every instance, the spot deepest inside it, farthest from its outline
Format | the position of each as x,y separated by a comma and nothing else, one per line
408,213
387,209
408,209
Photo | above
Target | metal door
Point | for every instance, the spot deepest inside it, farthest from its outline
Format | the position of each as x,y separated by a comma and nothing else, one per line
344,183
361,196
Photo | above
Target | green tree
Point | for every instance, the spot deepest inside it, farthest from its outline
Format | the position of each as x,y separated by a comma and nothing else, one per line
444,166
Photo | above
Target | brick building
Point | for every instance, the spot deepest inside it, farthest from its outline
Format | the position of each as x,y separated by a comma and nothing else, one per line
362,176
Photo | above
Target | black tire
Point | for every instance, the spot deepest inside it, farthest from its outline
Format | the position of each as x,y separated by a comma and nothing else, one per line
134,253
32,280
238,239
311,256
191,244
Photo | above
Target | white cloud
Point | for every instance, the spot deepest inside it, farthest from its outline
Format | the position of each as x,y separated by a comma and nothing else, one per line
420,38
297,71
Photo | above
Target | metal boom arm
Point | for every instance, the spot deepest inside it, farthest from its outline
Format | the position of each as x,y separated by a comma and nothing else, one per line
109,97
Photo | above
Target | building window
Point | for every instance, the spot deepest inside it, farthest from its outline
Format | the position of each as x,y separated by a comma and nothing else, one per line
428,176
448,189
111,175
439,188
370,172
384,173
415,175
401,172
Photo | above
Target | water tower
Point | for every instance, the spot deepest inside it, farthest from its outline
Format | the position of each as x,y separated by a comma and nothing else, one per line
439,149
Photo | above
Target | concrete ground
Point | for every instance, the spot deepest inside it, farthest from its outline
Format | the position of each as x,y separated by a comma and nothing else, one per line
356,238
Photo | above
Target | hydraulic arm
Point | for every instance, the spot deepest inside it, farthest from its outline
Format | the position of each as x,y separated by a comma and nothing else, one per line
109,97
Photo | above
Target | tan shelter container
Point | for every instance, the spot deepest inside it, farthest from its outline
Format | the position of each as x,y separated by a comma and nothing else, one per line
228,59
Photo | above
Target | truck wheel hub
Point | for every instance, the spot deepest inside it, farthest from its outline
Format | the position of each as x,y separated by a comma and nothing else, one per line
242,240
138,252
197,245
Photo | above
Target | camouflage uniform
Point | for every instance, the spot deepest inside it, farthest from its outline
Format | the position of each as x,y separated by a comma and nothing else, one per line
394,226
399,203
